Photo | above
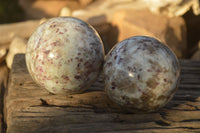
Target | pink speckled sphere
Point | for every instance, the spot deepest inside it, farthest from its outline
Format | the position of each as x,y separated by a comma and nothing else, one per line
64,55
141,74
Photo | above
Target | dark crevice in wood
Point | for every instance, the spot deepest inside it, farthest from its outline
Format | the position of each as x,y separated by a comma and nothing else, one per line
51,93
189,98
191,120
189,128
118,119
182,110
4,126
164,117
36,116
196,108
162,123
4,85
43,102
149,128
165,127
172,108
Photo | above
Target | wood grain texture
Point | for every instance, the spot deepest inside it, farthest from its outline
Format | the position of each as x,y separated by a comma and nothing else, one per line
31,109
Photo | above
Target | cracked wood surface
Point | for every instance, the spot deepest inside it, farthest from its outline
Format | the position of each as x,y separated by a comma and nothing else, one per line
31,109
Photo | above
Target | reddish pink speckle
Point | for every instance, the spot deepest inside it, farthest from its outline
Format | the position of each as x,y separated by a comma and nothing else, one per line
115,57
92,43
78,64
77,77
143,93
139,90
56,43
149,70
97,51
47,51
54,89
138,77
109,64
81,60
57,30
158,71
65,89
70,60
165,80
65,78
52,26
67,40
56,82
113,85
157,83
61,33
86,63
131,69
41,70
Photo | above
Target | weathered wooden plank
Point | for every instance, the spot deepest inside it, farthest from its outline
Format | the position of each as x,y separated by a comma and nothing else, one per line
31,109
189,63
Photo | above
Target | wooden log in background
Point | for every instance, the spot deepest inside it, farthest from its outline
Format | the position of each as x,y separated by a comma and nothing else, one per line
20,29
31,109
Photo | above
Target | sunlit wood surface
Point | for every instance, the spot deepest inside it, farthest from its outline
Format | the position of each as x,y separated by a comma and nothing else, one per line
31,109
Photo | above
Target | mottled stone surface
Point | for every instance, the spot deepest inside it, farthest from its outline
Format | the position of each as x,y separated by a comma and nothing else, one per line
141,74
64,55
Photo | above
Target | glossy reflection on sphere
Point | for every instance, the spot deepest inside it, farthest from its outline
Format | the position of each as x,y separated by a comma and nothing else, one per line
64,55
141,74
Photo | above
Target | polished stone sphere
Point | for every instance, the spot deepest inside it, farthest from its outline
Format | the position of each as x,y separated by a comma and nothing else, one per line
64,55
141,74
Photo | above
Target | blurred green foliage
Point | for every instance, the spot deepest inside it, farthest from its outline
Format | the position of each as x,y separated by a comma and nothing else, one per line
10,11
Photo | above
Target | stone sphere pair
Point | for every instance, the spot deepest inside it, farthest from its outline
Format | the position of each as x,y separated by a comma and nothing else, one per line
65,55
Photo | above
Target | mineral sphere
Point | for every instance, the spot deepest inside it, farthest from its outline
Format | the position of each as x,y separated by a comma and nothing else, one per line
64,55
141,74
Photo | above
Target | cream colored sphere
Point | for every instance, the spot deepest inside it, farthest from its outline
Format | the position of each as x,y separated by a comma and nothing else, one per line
64,55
